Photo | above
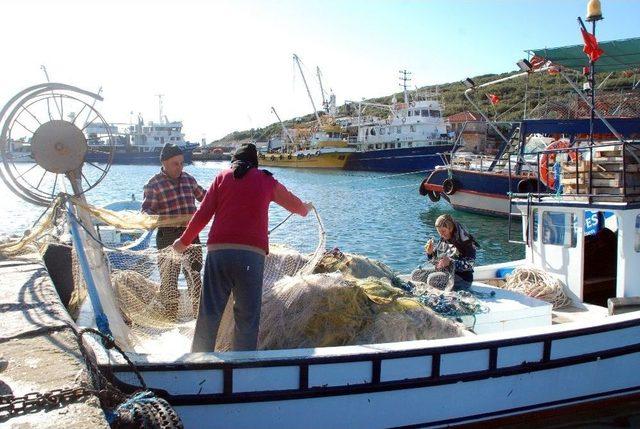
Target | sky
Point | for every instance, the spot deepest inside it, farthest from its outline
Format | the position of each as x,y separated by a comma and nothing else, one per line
220,66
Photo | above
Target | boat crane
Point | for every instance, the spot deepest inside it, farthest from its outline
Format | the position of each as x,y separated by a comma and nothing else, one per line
315,111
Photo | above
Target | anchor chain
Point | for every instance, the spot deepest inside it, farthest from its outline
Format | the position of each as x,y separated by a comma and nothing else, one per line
11,405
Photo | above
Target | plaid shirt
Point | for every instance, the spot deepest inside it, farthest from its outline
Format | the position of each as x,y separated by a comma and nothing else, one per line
166,196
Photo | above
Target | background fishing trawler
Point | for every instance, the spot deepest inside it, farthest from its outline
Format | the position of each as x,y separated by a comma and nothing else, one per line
480,184
414,138
137,143
322,144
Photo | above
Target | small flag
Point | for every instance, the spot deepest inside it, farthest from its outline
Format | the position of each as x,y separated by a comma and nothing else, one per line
585,71
591,46
537,62
493,98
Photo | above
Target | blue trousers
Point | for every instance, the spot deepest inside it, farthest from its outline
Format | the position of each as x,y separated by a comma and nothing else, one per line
226,271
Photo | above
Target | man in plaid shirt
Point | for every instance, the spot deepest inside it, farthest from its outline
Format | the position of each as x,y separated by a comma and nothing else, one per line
169,193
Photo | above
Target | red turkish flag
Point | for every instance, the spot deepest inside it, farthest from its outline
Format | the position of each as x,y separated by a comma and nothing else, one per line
493,98
591,46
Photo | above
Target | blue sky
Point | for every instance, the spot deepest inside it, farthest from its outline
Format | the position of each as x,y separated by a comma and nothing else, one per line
222,65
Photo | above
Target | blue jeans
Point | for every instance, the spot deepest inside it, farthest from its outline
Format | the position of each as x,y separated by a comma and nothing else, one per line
226,271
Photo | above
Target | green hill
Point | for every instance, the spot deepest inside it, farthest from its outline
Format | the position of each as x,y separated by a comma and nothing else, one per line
539,88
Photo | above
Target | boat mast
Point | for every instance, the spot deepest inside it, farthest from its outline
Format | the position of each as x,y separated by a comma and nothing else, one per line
297,60
324,100
160,107
286,131
405,78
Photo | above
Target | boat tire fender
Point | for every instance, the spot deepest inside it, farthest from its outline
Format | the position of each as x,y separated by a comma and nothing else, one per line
450,186
527,186
433,196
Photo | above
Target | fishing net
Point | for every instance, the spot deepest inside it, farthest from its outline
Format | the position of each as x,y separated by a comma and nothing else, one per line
536,283
151,295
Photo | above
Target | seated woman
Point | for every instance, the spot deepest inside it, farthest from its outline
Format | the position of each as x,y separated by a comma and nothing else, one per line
453,257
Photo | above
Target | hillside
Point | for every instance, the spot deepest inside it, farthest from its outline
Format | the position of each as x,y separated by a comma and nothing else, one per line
539,88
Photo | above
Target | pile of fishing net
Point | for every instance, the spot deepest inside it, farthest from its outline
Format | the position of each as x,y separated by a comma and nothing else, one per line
536,283
348,300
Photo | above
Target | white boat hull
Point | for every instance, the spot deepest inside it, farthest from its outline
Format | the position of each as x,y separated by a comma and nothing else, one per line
434,383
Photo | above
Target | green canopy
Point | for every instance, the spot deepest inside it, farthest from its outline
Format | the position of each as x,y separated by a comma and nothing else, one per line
618,55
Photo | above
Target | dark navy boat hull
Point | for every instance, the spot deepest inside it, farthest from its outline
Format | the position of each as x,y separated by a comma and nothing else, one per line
133,158
404,160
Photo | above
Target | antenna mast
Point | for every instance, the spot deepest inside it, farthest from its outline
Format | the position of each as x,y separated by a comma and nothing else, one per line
297,60
160,107
405,77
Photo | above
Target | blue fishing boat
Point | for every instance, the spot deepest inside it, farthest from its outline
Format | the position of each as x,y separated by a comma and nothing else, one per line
481,184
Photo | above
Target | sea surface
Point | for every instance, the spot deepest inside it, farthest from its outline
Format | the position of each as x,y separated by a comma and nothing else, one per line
378,215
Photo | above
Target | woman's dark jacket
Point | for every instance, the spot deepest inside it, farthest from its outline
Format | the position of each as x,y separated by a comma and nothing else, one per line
461,249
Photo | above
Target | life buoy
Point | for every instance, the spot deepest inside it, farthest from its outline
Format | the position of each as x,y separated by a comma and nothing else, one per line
450,186
546,176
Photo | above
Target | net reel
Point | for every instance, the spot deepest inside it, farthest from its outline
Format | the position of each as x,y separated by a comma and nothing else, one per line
49,133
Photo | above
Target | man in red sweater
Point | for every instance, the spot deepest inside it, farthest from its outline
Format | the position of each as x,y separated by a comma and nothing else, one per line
237,245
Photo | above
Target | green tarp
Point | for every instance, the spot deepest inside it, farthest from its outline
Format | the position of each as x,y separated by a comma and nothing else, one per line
618,55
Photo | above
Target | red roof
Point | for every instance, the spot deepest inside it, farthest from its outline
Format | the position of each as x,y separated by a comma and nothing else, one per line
464,117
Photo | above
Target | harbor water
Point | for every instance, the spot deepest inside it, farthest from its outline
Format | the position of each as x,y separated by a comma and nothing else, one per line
372,214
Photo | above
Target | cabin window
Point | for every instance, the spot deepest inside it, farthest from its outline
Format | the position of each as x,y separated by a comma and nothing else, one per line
410,144
417,113
393,145
425,113
410,113
386,146
637,240
370,146
378,146
434,113
373,131
559,229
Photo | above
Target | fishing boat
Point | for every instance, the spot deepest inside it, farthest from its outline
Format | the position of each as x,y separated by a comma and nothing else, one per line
414,138
481,184
323,144
327,148
523,355
138,143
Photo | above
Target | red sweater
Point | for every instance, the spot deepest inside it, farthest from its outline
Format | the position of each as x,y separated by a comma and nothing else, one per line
241,209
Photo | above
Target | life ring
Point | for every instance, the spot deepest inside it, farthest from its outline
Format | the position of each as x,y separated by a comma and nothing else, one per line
450,186
527,186
547,178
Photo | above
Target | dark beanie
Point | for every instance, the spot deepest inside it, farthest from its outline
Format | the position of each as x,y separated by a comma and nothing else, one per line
244,159
169,151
